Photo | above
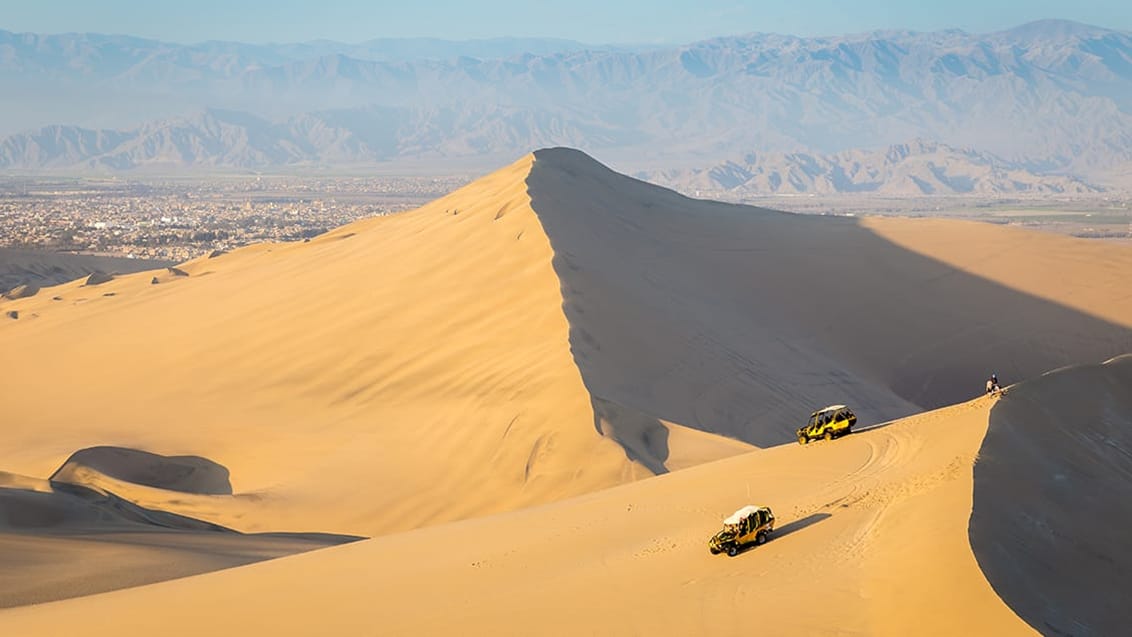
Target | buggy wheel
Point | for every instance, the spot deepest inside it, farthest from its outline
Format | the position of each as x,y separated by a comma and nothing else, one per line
760,538
733,550
828,434
714,551
802,439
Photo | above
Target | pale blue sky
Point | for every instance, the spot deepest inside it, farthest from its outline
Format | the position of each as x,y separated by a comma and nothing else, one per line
591,21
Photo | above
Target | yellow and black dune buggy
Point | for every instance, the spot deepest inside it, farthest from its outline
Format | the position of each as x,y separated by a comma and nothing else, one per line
749,525
828,423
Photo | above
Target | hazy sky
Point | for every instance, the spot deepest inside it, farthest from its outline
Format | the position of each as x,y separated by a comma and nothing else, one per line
592,21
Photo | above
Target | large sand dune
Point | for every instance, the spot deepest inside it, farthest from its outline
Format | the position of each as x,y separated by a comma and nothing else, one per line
38,268
1052,487
871,540
417,367
476,383
60,540
727,318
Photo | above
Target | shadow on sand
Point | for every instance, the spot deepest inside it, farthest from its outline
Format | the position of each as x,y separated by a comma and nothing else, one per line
1050,516
718,316
792,527
799,524
186,474
879,425
644,438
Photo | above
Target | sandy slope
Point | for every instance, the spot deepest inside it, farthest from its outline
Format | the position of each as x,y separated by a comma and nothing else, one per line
1052,486
1084,275
44,267
872,540
41,567
396,372
554,330
461,358
60,540
729,318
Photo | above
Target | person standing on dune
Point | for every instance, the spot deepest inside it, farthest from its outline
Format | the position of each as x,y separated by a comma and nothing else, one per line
993,387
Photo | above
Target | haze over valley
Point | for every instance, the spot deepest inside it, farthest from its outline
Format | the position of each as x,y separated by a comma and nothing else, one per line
1044,106
821,335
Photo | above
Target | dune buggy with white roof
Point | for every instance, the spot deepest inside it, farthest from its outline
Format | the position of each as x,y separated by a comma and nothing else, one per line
749,525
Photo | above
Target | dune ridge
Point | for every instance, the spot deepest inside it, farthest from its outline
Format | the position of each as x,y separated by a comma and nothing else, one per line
876,521
190,474
484,328
1052,484
481,384
61,540
428,363
760,312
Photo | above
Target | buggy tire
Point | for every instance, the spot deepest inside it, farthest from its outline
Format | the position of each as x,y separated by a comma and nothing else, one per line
733,550
828,435
760,539
714,551
803,439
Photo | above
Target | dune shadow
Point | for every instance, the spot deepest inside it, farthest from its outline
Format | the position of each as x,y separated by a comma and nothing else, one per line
873,427
1050,515
74,541
62,539
187,474
787,529
740,321
644,439
70,509
801,523
75,505
328,538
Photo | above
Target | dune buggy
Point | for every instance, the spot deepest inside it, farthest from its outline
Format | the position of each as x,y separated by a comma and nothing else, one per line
749,525
828,423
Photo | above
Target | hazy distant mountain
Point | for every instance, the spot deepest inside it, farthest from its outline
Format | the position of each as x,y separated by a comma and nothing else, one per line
110,56
231,139
391,49
913,169
1047,97
121,81
57,146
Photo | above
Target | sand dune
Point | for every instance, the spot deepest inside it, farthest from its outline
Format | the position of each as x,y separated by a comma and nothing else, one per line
60,540
481,384
449,360
188,474
727,318
39,568
37,268
1052,487
416,366
872,539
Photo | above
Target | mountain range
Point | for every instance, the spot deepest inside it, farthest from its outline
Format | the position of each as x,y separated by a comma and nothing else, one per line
917,168
1046,98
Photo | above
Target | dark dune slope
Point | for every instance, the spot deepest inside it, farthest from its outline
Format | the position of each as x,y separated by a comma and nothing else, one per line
60,538
1051,509
41,268
741,319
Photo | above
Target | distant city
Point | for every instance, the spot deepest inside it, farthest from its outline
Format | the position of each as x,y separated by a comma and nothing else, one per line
177,220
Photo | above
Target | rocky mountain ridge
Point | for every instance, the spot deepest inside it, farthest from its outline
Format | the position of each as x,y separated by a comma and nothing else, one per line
1049,98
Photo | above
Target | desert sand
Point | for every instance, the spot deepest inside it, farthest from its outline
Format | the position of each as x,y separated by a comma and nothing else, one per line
538,396
37,268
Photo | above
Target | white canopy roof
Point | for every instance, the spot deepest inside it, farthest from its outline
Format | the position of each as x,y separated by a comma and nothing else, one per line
741,513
